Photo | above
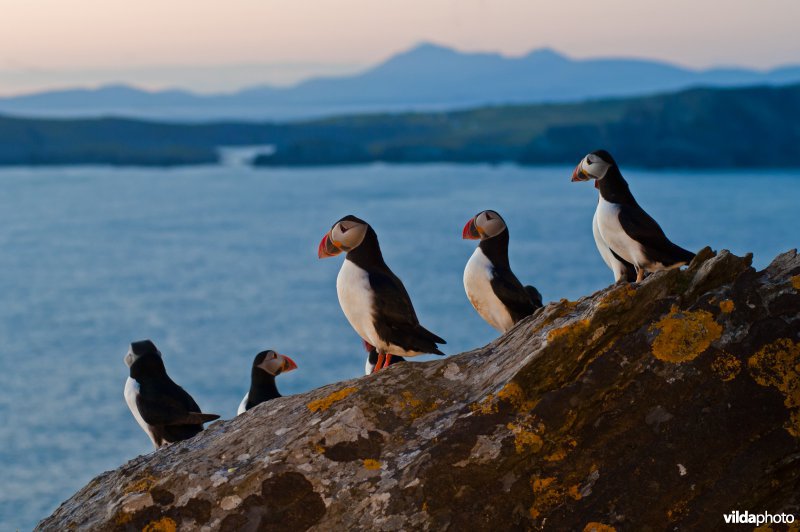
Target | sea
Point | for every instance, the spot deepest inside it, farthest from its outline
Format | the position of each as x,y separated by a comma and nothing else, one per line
216,263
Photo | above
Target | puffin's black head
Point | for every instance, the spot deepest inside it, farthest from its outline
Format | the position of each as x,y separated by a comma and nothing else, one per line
485,224
143,349
273,363
345,235
594,166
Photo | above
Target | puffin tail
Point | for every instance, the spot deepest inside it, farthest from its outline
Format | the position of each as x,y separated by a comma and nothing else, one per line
680,255
535,296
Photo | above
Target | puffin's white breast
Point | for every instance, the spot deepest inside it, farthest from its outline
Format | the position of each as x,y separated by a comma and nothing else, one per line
477,283
614,235
243,405
611,261
131,391
356,299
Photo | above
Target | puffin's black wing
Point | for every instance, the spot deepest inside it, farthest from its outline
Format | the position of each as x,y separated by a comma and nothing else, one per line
641,227
396,321
169,404
512,294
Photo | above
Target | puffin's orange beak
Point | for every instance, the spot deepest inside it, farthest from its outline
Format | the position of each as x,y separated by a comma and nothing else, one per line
470,231
327,248
288,364
579,174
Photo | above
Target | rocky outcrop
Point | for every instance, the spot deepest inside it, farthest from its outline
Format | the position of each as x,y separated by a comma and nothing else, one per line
656,406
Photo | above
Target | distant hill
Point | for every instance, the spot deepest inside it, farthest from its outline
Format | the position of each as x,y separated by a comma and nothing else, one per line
426,77
700,128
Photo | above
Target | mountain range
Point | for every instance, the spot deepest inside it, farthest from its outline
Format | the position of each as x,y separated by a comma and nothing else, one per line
428,77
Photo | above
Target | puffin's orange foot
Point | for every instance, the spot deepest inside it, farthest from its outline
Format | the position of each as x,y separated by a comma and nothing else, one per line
379,363
388,360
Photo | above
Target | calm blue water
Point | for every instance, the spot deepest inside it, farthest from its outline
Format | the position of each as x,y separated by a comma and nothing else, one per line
217,263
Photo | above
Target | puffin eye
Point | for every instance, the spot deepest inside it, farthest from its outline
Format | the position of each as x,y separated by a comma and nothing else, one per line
343,228
274,355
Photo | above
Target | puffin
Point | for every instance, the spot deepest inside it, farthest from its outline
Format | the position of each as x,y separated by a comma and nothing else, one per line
372,359
492,288
630,241
266,366
372,297
163,409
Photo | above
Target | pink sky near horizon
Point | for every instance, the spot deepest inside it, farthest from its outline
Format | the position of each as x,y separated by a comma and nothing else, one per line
211,45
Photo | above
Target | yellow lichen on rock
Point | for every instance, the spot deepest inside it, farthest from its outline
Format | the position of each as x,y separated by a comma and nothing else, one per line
727,306
546,494
618,295
598,527
683,335
372,464
778,365
326,402
415,407
726,366
540,484
487,405
145,483
525,437
165,524
514,394
796,282
570,334
556,456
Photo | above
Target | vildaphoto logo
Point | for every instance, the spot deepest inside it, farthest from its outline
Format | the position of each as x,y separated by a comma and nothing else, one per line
742,518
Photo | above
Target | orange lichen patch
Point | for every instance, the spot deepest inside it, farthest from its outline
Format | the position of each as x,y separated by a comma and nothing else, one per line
682,336
165,524
556,456
514,394
326,402
415,407
598,527
796,282
567,304
525,437
541,484
145,483
369,463
319,449
570,334
778,365
575,492
617,296
486,406
726,366
726,306
546,494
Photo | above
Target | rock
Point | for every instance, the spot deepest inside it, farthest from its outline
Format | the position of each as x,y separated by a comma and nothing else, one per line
656,406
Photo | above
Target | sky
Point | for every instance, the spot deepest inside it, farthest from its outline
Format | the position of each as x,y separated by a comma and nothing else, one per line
212,46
